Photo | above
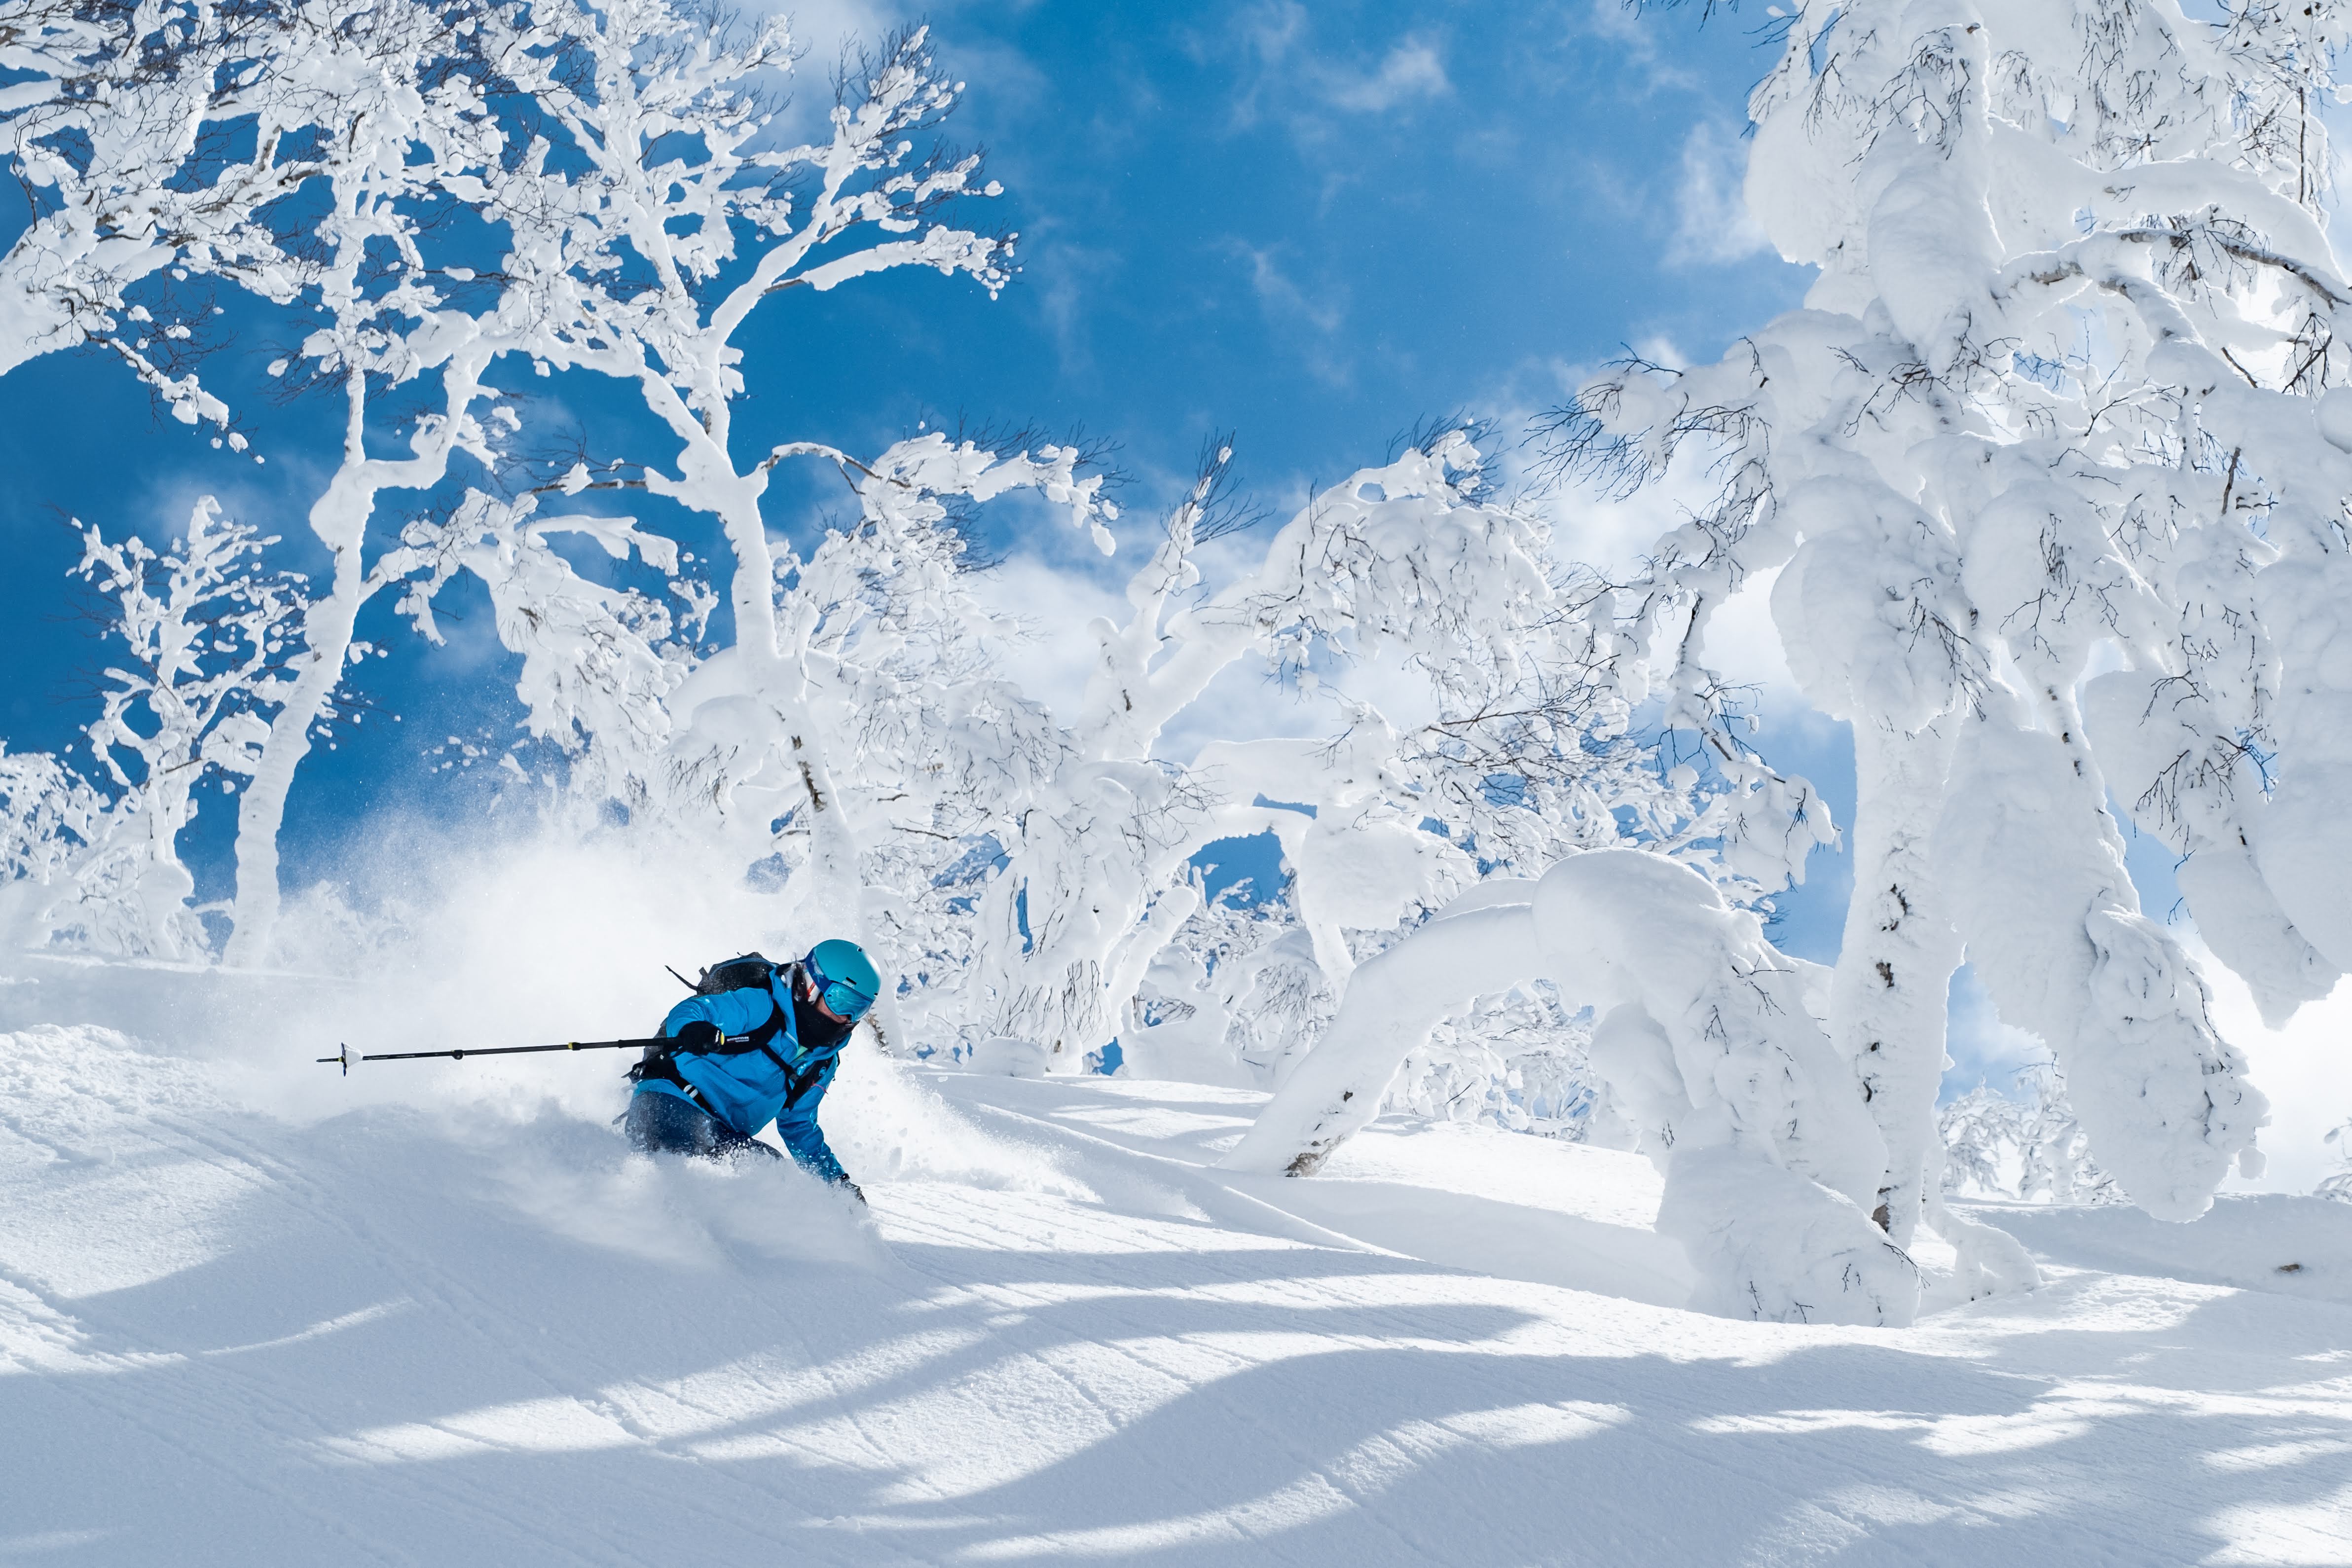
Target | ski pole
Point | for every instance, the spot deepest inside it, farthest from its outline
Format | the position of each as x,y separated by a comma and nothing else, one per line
461,1053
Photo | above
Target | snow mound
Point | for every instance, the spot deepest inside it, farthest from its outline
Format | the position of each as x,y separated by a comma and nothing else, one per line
2265,1242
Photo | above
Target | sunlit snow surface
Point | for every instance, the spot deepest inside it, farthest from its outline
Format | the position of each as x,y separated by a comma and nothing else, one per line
437,1334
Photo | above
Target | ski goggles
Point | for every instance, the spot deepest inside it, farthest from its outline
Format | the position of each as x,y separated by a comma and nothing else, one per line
841,999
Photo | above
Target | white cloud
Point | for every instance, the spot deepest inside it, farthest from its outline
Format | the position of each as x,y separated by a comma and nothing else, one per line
824,27
1289,69
1411,69
1065,272
1662,350
1307,315
1056,604
1635,33
2303,1067
1712,223
1281,296
1269,31
1744,642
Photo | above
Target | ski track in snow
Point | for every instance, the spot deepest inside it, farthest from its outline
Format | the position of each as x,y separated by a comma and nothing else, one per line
403,1336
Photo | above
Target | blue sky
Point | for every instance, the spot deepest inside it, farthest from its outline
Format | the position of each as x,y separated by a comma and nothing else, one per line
1313,228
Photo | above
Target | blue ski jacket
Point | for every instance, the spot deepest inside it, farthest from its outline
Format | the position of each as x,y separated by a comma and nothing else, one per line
751,1090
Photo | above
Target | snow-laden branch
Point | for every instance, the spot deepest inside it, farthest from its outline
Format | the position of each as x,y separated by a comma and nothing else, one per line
1706,1038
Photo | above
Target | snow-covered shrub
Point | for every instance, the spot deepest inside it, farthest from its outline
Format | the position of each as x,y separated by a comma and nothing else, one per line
2338,1184
1232,999
49,818
2030,1147
1519,1060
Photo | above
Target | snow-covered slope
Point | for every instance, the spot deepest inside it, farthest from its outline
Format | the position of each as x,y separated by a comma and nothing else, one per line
407,1333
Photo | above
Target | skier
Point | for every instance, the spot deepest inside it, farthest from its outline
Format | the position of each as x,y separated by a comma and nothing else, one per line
757,1043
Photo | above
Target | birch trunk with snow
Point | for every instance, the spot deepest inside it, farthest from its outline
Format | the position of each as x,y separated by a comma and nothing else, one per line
340,519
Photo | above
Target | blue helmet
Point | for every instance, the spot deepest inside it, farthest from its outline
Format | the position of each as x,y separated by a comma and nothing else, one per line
845,980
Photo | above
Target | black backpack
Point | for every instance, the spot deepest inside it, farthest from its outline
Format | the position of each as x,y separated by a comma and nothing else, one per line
742,974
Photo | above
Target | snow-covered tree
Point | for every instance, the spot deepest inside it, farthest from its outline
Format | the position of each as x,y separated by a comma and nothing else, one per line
1704,1035
409,161
295,153
431,185
2044,468
2030,1147
207,633
1415,560
2054,498
49,818
682,215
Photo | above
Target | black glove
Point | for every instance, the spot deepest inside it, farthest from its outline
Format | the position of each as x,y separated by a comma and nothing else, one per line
852,1188
699,1037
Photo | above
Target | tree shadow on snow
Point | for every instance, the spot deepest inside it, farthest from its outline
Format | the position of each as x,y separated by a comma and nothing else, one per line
392,1354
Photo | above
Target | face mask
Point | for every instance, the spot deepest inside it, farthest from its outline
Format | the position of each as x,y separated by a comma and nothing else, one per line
813,1028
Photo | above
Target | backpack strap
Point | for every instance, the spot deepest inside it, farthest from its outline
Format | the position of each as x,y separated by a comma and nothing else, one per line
762,1039
798,1083
760,1036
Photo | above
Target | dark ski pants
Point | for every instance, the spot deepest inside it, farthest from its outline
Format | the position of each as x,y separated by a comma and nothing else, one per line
659,1123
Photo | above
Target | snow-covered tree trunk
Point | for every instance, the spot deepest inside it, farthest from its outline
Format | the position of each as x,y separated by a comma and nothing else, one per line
340,519
1893,981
